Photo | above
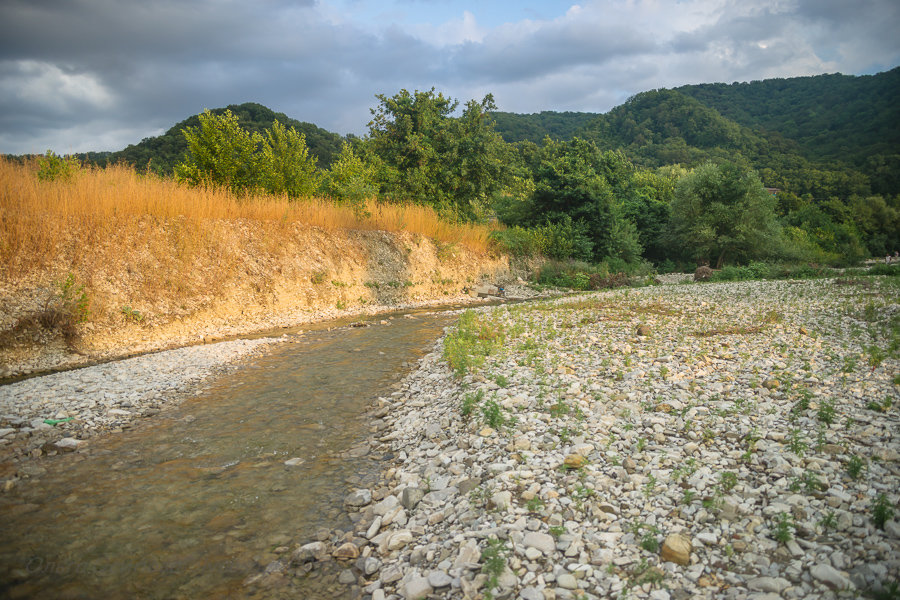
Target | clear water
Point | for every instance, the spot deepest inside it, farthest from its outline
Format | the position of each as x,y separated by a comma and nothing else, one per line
190,503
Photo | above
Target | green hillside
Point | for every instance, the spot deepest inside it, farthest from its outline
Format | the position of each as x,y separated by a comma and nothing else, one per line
163,152
831,117
534,127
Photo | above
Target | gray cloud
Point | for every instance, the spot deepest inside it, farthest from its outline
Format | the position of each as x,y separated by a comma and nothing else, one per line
100,74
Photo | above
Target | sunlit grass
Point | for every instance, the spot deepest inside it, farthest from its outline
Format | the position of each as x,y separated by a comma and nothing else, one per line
107,206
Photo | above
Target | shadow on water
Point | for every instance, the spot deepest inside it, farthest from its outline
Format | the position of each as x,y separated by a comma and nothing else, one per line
190,503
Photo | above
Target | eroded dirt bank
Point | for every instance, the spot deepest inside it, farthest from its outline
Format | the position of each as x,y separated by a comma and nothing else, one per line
149,292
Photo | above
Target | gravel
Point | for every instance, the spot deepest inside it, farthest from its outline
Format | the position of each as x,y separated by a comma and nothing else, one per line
680,441
82,403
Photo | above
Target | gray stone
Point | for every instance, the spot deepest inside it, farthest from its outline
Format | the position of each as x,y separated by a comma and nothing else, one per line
769,584
410,497
310,552
358,498
368,565
417,588
68,443
567,581
346,577
439,579
540,541
831,577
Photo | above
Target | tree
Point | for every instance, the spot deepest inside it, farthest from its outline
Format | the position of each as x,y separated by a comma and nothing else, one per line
350,180
221,153
427,156
285,165
576,181
723,211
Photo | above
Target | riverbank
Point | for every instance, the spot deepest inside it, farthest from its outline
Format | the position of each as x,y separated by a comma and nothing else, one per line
733,440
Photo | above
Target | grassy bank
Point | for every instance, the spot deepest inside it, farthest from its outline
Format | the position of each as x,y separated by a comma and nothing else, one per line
107,257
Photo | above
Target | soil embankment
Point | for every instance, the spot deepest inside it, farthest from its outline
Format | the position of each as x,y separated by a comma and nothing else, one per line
146,291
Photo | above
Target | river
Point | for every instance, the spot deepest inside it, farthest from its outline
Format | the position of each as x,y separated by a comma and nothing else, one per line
191,503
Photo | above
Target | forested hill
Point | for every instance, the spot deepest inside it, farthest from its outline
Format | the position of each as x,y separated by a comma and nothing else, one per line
826,131
535,127
831,117
163,152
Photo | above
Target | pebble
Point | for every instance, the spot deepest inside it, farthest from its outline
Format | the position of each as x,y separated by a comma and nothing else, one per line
669,453
97,399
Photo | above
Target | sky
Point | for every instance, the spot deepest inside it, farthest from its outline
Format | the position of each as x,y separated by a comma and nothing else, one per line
80,75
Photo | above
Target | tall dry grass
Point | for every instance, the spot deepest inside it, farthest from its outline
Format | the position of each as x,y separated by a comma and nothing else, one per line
42,222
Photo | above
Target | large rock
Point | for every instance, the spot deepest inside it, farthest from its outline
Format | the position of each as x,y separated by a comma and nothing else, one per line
346,551
831,577
310,552
540,541
769,584
358,498
410,497
677,549
417,588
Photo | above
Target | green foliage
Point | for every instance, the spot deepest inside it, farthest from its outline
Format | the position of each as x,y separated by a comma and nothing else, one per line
427,156
350,180
493,414
722,211
882,511
494,563
855,466
132,315
783,528
476,337
66,308
470,401
222,153
537,126
160,154
826,413
52,167
286,166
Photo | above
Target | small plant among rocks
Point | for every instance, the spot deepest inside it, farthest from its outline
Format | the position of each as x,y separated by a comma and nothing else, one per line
826,412
494,557
855,466
132,315
784,526
470,401
882,511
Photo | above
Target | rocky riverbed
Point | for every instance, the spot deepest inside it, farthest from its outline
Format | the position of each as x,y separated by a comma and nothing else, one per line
735,440
60,412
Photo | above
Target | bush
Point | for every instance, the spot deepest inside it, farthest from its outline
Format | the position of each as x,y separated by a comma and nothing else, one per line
65,309
52,167
572,274
518,241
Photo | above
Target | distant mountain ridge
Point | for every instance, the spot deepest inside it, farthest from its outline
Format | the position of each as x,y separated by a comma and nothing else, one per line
781,127
842,128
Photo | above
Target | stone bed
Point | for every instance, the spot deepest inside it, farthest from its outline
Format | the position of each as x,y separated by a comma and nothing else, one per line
733,440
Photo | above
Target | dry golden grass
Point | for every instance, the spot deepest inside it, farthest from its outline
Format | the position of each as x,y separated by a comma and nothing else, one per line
42,222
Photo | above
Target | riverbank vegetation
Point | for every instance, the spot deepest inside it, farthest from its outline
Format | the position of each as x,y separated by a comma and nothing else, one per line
96,206
662,183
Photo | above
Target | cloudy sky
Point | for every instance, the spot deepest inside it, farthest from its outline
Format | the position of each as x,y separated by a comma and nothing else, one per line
79,75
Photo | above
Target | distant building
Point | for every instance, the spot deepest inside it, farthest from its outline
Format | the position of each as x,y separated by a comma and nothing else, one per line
773,191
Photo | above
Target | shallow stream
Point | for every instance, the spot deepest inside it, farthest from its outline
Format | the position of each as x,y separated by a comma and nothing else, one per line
192,502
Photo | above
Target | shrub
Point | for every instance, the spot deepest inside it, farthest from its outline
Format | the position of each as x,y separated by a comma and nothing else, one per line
65,309
52,167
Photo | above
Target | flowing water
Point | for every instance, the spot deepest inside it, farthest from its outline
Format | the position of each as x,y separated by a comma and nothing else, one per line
190,503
